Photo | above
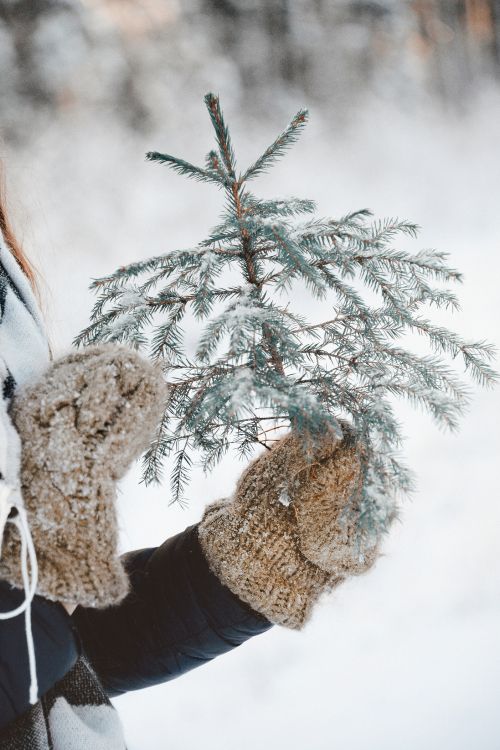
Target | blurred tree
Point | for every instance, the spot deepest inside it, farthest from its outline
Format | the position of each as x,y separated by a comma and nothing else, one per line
458,43
105,55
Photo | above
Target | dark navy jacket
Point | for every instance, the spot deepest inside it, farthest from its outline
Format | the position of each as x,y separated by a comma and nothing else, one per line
177,616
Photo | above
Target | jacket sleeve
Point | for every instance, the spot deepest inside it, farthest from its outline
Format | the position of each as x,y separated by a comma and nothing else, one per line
177,616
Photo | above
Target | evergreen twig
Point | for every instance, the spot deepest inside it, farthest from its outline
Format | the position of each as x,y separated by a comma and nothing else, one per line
258,365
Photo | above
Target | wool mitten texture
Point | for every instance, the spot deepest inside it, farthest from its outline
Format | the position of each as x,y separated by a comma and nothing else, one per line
81,426
289,532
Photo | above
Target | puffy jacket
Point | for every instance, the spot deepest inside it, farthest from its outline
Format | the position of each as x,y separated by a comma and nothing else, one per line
177,616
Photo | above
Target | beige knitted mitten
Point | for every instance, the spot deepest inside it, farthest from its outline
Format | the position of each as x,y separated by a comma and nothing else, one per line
282,539
81,426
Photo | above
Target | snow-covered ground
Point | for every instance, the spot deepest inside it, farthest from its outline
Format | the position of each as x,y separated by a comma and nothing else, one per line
408,655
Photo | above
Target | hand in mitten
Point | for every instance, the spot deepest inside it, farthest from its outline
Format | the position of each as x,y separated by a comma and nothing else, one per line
81,426
288,534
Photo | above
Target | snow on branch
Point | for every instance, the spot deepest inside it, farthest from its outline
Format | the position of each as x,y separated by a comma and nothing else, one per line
259,365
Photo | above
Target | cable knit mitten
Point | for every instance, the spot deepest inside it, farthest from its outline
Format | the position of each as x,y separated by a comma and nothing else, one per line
283,538
81,426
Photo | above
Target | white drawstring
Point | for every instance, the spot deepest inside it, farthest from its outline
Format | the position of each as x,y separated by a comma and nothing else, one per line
20,520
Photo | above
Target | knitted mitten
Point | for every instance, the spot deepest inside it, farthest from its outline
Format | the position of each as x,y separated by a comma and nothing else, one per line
81,426
282,539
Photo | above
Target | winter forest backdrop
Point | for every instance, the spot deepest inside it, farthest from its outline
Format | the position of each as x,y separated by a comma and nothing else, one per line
404,101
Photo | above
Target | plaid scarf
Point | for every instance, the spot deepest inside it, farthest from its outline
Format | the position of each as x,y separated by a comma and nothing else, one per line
75,714
24,353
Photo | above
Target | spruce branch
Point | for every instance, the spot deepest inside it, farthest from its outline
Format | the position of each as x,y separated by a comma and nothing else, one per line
259,365
222,134
184,167
278,148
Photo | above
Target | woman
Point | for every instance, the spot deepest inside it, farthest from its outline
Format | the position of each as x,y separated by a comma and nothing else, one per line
100,626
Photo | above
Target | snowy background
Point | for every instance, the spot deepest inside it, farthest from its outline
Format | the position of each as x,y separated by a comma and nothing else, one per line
404,103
